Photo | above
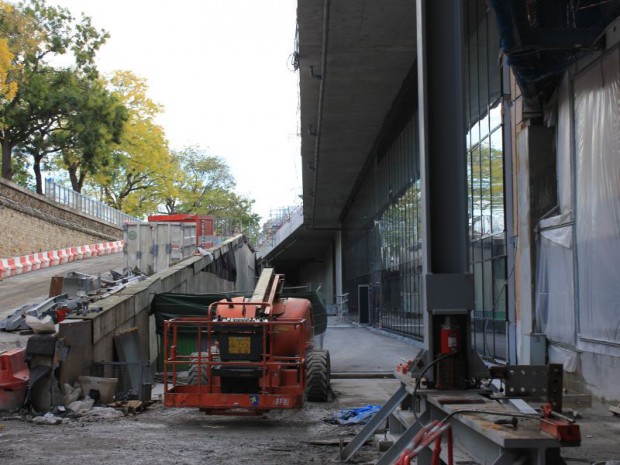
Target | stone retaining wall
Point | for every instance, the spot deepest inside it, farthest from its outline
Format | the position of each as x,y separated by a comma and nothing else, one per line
30,223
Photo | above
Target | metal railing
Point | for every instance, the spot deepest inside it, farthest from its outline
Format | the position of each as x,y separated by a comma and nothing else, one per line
69,198
278,218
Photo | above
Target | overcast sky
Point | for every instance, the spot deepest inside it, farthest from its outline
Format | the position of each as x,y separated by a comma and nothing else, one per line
220,69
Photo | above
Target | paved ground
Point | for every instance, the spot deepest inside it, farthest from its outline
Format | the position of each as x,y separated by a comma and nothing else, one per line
186,436
358,349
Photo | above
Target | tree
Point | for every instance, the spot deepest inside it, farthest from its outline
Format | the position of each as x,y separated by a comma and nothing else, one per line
141,166
36,33
91,132
76,119
205,185
203,182
8,89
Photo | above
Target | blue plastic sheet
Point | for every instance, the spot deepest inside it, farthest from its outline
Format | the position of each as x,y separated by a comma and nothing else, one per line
355,416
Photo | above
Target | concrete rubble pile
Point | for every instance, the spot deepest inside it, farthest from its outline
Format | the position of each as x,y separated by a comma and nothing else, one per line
49,381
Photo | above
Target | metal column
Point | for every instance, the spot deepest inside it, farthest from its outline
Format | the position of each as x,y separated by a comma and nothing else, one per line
448,285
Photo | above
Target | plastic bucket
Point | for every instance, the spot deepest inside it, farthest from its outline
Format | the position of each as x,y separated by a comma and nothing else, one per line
105,386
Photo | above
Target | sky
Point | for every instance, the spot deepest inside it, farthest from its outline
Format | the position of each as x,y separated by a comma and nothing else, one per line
220,69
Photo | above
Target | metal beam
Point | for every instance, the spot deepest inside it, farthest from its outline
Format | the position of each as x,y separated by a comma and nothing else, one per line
380,417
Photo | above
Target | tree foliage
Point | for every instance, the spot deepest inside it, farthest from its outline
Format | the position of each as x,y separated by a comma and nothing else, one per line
103,133
8,88
202,183
140,166
90,134
36,34
205,185
75,119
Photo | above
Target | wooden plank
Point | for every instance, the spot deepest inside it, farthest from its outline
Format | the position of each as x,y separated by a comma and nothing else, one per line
261,292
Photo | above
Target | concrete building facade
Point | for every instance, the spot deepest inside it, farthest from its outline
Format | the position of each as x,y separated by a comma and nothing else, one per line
536,185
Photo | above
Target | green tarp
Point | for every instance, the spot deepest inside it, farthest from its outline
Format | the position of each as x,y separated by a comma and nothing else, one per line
168,306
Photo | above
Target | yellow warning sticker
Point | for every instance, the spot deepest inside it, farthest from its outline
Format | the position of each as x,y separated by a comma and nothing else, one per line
238,345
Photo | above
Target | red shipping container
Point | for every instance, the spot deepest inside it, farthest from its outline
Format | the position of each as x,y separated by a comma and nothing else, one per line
204,223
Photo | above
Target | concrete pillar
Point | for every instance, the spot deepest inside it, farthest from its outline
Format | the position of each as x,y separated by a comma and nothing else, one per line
338,262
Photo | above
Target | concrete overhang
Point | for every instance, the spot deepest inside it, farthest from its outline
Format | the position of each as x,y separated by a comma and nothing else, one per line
360,52
366,49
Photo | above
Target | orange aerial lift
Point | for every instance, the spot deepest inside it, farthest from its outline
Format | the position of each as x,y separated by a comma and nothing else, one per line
253,355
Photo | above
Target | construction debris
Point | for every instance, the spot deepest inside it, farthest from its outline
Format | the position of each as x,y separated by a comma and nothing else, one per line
70,294
17,320
47,419
129,406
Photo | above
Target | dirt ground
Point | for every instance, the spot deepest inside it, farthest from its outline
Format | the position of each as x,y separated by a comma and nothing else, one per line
162,435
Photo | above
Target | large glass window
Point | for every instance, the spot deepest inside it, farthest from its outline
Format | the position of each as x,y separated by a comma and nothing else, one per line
382,228
382,243
485,155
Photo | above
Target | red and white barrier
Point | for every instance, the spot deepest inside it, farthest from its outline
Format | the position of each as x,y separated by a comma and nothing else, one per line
76,254
84,251
63,256
15,266
100,249
34,260
53,258
4,268
19,265
93,250
43,258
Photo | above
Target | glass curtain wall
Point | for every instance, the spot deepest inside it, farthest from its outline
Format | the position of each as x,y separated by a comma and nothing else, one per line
485,155
382,242
382,229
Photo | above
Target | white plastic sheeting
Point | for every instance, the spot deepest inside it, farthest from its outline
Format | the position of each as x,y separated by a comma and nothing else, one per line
555,293
597,137
568,358
555,297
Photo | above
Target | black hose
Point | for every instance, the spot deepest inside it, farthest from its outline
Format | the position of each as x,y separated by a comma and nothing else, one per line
419,378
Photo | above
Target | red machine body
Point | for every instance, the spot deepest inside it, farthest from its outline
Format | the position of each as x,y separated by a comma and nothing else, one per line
204,224
254,356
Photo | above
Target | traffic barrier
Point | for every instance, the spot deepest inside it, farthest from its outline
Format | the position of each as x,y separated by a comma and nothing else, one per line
77,253
25,262
62,256
84,250
18,265
43,258
71,252
93,250
53,257
34,260
4,268
15,266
